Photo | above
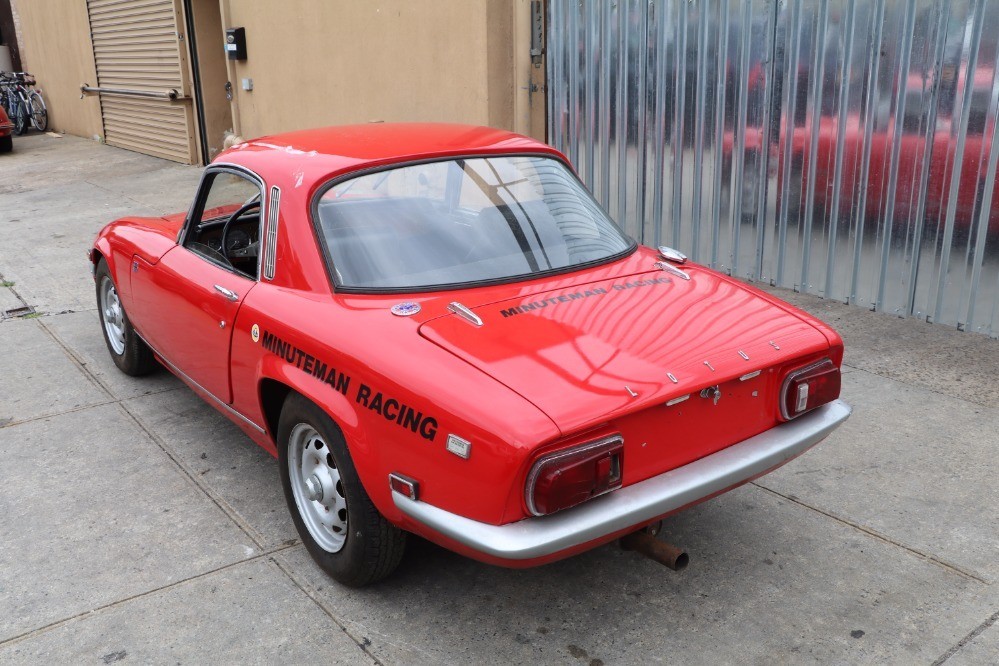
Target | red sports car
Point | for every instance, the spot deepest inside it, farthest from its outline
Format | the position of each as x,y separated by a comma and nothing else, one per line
437,330
6,132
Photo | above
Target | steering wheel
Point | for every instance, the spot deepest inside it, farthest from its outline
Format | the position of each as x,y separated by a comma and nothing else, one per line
242,210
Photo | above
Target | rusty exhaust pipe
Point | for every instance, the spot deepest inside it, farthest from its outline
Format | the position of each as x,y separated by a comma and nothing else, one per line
664,553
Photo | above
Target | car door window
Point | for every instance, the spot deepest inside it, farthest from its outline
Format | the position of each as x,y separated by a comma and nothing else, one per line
224,227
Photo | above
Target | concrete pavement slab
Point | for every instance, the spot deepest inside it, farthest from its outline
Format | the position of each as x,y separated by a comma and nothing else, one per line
911,464
44,235
168,189
769,582
91,512
81,333
250,613
225,460
41,160
982,649
910,350
36,375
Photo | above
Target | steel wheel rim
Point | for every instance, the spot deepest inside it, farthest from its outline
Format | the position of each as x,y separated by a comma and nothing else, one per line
38,112
317,488
113,316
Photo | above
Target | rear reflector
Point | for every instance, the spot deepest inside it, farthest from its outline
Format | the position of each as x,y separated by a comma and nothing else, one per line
404,486
567,478
809,387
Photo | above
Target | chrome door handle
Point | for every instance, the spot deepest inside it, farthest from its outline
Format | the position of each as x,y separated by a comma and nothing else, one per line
228,293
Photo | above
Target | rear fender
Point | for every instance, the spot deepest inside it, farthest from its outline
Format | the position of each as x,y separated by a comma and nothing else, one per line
344,414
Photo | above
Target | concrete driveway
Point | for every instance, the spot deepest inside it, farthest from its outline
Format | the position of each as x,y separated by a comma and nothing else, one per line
139,525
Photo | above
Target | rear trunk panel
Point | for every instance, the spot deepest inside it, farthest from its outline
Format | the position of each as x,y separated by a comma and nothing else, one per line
608,352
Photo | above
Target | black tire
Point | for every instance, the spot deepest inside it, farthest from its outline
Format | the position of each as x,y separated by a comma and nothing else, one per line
39,114
6,143
20,118
133,357
372,547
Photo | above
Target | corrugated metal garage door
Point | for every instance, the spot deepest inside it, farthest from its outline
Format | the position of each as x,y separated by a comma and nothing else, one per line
138,49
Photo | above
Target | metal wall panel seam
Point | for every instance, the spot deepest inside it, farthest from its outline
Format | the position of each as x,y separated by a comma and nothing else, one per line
985,209
591,53
815,131
839,157
678,117
870,118
621,127
700,120
786,163
720,67
955,181
943,22
896,145
658,176
739,133
770,49
641,111
605,105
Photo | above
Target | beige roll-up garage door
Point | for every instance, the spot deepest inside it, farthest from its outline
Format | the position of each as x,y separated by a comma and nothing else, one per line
141,60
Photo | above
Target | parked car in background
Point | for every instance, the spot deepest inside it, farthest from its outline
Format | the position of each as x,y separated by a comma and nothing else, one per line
6,132
437,330
914,139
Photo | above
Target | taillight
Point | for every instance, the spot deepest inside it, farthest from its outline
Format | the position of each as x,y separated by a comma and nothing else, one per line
809,387
567,478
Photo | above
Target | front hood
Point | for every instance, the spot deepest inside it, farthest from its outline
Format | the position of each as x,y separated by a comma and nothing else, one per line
587,353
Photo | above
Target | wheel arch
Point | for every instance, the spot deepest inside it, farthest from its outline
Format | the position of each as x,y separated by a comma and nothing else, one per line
274,388
272,394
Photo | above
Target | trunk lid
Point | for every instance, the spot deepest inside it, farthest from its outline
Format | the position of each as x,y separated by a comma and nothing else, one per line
617,350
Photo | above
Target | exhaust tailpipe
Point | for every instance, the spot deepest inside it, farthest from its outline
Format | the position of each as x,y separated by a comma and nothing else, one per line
664,553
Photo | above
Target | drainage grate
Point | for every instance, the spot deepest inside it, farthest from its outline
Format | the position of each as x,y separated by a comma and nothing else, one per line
18,312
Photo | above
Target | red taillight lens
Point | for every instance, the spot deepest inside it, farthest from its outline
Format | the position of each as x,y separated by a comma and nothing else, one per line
809,387
567,478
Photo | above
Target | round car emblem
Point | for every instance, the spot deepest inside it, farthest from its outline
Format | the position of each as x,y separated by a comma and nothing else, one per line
255,332
405,309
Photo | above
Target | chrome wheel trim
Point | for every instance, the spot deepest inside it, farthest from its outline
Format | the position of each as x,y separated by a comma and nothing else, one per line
112,316
316,487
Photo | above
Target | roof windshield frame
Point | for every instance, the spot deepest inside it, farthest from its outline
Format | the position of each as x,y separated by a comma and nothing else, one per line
327,257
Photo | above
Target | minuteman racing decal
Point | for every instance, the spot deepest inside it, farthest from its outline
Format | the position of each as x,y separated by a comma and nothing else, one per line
577,295
389,408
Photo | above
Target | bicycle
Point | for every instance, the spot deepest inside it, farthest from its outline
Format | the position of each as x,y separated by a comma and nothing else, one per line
23,103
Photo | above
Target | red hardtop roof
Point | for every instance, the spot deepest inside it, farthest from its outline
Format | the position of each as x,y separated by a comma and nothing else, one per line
320,153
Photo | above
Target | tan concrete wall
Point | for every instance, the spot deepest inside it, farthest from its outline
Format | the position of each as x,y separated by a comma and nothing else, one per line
55,46
343,61
316,63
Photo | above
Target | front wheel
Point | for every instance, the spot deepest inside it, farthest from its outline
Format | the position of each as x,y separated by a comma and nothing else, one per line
128,351
340,526
39,114
6,143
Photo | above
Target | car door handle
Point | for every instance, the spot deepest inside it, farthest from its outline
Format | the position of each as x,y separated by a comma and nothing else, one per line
228,293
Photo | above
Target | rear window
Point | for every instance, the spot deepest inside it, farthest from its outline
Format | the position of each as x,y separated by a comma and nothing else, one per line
463,221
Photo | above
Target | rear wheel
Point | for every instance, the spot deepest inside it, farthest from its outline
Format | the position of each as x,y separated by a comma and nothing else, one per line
6,143
340,526
127,349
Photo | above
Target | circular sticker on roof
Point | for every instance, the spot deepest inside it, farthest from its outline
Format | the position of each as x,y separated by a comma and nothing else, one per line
405,309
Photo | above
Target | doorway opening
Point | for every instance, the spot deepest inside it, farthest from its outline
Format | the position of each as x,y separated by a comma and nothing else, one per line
206,40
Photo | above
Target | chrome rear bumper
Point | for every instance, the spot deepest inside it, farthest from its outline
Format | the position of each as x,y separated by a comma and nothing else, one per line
638,503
